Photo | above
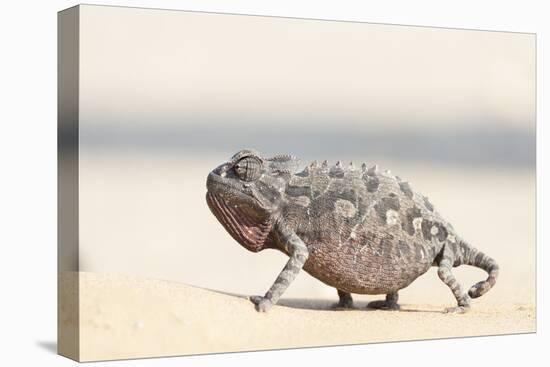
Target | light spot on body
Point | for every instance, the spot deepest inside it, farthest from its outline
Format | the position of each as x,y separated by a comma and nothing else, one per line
417,224
392,217
345,208
302,201
434,230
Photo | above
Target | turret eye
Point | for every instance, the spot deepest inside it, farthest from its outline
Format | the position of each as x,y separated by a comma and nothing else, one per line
248,168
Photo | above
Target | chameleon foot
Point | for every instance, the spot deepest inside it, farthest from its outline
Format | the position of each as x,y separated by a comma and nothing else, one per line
262,304
346,301
383,305
457,309
342,305
389,304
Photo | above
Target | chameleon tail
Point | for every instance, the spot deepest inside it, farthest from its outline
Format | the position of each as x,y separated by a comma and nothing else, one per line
474,257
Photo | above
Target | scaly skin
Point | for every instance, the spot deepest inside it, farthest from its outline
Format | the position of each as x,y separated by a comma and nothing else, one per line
358,230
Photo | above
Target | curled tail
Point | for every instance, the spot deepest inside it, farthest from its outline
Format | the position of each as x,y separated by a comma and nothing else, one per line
474,257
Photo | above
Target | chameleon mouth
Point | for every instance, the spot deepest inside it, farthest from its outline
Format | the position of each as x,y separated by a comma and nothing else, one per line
248,231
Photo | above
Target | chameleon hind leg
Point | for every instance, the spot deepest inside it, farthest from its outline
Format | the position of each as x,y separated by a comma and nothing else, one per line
390,303
462,298
346,301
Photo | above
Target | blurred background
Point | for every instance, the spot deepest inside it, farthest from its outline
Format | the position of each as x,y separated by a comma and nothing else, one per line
166,96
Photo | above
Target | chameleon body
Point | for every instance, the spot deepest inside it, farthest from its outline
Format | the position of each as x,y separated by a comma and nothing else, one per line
358,230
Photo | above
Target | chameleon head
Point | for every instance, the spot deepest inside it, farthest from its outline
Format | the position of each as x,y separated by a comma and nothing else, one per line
246,193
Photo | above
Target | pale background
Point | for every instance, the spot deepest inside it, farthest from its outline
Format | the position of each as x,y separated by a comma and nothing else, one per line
167,96
32,340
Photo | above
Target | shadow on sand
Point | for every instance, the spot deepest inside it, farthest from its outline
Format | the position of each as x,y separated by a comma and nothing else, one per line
328,305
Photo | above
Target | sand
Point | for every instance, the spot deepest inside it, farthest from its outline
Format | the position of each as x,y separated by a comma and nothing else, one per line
131,317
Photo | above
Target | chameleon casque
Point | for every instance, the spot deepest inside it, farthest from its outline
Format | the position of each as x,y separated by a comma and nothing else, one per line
358,230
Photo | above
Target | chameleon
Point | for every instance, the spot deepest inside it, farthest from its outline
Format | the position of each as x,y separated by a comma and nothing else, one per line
359,230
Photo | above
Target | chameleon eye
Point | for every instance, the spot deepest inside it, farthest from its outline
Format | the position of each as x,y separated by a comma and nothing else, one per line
248,168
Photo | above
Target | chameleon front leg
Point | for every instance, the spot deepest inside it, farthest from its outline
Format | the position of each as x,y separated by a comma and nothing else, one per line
298,253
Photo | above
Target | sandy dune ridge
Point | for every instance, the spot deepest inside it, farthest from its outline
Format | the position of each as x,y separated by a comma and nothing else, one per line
130,317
